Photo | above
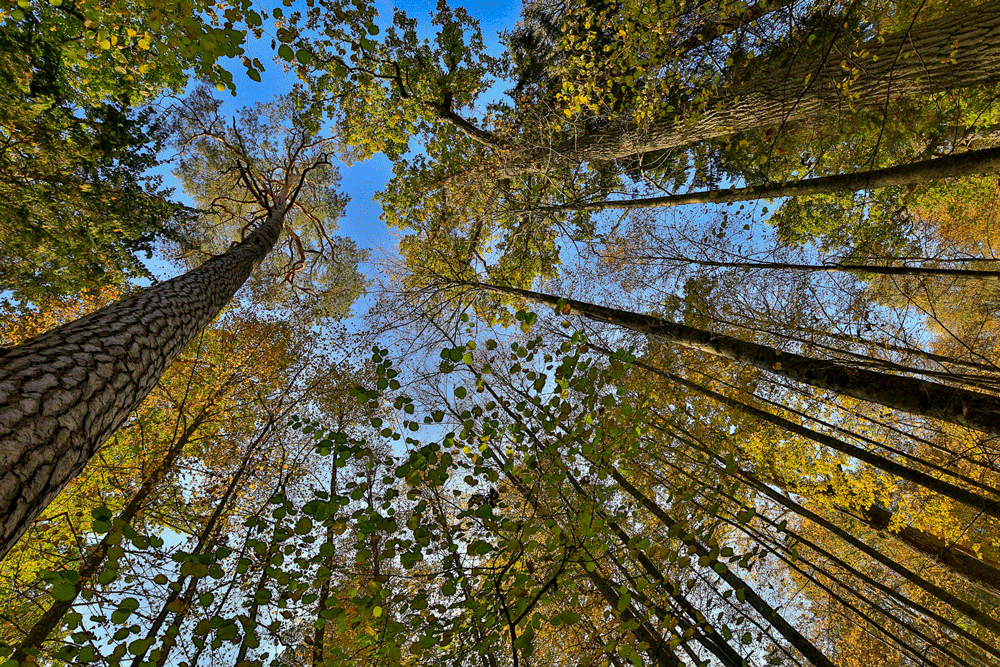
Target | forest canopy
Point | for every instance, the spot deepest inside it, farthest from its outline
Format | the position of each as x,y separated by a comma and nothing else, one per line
675,343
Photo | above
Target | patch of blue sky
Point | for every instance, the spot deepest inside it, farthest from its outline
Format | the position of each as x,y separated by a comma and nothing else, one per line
360,180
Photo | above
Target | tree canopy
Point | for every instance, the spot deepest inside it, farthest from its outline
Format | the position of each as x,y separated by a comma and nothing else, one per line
684,355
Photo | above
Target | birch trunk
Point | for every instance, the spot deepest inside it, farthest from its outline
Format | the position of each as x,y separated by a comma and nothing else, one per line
63,393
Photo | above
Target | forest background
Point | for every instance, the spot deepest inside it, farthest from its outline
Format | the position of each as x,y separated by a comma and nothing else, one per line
683,353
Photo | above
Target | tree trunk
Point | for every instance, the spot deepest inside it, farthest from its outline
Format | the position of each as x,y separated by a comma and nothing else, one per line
916,271
953,601
918,397
953,51
960,561
706,636
977,571
759,604
778,529
658,649
928,481
63,393
94,560
969,163
206,540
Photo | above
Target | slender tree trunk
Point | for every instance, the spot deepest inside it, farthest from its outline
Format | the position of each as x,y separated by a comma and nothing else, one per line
876,585
63,393
707,637
969,163
953,601
962,562
205,540
915,396
957,493
833,268
255,605
942,359
953,51
319,637
977,571
658,650
759,604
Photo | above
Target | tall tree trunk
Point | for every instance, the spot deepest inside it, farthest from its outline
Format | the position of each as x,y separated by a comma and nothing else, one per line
63,393
777,529
752,598
969,163
961,561
761,606
658,649
987,368
953,601
977,502
877,269
953,51
704,633
918,397
94,560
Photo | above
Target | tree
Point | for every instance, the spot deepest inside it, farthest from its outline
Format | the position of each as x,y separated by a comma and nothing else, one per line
214,388
75,385
517,199
920,397
773,92
77,202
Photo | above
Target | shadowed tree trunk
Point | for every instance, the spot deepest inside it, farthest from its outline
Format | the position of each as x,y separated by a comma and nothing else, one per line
907,394
970,163
761,606
836,267
63,393
956,50
752,598
657,648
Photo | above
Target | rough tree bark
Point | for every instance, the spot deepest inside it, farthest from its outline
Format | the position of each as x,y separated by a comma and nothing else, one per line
953,51
95,559
63,393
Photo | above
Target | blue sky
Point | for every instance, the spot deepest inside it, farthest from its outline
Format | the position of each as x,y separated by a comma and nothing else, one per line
361,180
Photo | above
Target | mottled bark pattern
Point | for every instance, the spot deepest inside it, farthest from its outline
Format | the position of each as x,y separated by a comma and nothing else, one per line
909,63
63,393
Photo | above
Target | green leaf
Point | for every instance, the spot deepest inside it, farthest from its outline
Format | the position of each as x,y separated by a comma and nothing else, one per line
228,631
139,646
63,591
286,53
303,56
